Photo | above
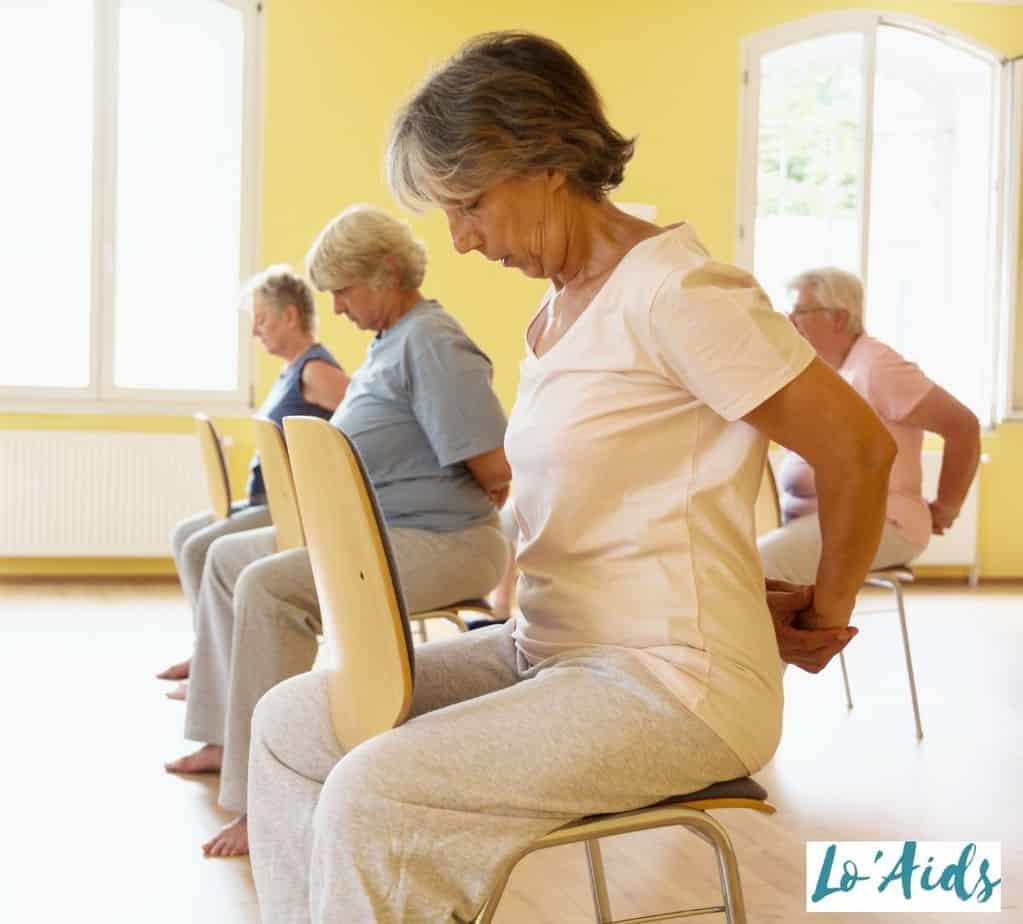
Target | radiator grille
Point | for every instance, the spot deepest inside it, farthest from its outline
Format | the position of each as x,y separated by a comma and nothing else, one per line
95,494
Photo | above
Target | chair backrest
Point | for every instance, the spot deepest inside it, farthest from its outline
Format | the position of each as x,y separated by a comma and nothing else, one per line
364,617
280,486
212,454
768,509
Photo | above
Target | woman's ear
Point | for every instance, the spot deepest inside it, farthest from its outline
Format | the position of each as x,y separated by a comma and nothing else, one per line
393,270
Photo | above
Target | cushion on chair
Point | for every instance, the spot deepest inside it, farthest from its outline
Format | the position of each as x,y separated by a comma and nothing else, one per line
471,624
742,788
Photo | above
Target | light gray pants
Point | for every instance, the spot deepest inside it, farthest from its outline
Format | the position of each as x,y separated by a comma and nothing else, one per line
793,552
192,538
259,618
415,825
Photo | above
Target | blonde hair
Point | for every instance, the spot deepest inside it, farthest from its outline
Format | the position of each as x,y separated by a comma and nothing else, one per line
834,289
506,105
354,247
279,287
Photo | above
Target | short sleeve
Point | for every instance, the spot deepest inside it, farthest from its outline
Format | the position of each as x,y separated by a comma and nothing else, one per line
452,397
895,386
716,334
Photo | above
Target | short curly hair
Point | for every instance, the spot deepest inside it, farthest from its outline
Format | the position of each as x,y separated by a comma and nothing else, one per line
352,248
506,105
280,287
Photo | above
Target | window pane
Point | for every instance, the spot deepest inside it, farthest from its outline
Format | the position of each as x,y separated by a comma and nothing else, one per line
179,160
46,109
809,160
930,223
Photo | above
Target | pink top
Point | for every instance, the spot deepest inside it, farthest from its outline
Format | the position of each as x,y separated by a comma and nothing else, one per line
893,387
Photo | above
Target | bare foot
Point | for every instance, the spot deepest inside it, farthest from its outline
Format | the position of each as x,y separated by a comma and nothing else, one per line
177,671
206,760
231,841
179,692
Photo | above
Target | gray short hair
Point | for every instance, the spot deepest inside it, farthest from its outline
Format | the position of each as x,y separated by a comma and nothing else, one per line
352,248
506,105
834,289
279,287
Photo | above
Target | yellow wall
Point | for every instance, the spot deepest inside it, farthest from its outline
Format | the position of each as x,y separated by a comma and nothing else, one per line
669,72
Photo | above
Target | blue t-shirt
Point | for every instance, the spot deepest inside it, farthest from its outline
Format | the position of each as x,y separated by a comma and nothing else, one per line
286,400
419,406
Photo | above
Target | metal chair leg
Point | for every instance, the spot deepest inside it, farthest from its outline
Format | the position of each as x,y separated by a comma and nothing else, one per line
845,680
709,829
601,902
419,629
897,587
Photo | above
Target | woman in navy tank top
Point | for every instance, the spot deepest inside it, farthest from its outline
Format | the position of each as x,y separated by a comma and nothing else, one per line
312,384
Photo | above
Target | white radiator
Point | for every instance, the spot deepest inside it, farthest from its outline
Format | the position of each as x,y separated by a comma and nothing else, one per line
68,494
959,544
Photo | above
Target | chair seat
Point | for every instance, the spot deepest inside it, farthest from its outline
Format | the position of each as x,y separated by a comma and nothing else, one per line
901,573
743,792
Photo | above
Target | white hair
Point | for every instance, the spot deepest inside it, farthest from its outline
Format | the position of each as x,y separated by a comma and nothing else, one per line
354,246
279,288
834,289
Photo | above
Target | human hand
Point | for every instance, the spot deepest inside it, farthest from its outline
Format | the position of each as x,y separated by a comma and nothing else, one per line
498,496
942,517
808,649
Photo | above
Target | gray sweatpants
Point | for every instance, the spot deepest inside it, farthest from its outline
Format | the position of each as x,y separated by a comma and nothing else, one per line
793,552
415,825
259,618
192,538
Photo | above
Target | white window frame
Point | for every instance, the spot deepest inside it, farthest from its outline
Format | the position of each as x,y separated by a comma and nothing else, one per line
101,395
1005,218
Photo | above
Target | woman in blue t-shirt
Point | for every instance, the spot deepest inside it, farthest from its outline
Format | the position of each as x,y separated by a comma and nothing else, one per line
312,383
426,422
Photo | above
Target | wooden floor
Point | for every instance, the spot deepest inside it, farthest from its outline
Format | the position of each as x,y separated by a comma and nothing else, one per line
93,830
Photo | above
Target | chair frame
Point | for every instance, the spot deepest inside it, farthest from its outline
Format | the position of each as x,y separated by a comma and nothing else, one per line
691,815
214,465
892,578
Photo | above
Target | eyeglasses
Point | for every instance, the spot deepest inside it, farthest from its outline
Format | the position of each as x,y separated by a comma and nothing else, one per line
798,312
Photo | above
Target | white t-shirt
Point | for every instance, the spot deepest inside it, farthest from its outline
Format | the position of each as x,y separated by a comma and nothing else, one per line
635,483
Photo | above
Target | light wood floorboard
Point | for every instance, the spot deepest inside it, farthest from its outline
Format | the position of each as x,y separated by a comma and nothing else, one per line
93,830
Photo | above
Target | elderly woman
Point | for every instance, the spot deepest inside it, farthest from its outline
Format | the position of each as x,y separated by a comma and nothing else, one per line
429,428
643,664
312,383
828,312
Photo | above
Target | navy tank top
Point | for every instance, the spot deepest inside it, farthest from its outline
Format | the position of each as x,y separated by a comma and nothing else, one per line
286,400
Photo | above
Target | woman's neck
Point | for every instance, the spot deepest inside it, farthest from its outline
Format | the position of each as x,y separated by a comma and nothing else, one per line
597,236
297,348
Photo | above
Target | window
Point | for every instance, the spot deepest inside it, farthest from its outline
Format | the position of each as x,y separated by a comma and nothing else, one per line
129,202
878,145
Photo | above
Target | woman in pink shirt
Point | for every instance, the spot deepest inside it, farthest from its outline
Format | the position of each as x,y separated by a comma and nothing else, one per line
828,312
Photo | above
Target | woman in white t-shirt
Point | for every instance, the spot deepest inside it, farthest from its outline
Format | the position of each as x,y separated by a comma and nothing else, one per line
644,663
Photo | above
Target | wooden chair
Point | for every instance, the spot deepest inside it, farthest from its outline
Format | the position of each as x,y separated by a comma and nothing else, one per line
284,509
280,487
365,622
364,612
212,454
768,514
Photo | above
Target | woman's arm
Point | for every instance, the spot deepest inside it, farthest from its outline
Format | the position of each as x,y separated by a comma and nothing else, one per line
323,384
821,418
940,413
492,471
